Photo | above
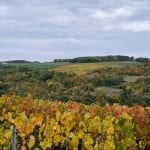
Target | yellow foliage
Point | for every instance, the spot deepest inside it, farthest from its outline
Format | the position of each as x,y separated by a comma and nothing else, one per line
74,143
57,139
46,143
88,142
109,144
20,122
29,128
31,141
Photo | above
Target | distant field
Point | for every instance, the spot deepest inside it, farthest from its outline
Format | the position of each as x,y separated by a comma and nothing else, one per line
109,91
82,68
79,68
36,65
131,78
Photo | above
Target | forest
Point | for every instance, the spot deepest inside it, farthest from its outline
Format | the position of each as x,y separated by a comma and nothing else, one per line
90,59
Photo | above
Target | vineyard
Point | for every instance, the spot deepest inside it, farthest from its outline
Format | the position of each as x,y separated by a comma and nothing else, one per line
50,125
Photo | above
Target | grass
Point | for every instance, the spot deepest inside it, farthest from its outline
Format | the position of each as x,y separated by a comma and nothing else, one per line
82,68
131,78
110,91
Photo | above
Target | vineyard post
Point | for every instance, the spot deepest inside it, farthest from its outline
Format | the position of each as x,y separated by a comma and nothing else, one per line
14,138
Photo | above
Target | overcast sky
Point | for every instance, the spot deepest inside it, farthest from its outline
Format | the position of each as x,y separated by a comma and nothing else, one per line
47,29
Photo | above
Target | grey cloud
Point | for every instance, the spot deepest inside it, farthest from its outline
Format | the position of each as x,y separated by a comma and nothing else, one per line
70,28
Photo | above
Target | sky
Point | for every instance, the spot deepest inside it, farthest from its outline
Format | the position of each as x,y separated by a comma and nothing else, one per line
47,29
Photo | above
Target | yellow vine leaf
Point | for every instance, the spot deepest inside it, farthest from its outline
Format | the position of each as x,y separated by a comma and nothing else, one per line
23,148
96,147
29,128
46,143
7,134
74,142
80,134
108,127
88,142
83,126
58,115
57,139
39,119
95,125
67,120
2,138
31,141
109,143
57,128
20,121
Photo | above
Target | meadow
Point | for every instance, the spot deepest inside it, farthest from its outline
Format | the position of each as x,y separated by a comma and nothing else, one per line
81,68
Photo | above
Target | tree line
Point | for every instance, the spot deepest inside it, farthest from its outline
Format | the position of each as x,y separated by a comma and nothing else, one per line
90,59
